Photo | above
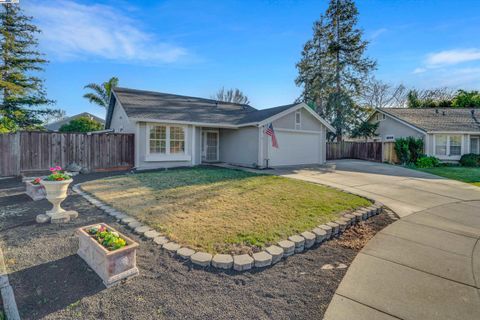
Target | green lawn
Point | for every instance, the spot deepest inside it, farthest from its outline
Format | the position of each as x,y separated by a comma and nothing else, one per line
223,210
465,174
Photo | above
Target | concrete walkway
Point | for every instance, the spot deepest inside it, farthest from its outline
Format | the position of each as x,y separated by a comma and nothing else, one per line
424,266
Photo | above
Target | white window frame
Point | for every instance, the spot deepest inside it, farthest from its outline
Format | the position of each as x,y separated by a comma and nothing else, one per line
167,156
448,156
298,125
477,138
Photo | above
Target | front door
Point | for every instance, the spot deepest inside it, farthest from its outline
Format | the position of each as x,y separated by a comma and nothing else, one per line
210,146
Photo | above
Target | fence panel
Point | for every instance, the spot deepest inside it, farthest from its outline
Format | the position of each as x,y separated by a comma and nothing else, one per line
371,151
37,151
9,154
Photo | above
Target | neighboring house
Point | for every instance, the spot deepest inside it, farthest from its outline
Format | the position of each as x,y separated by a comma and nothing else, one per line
55,126
448,133
172,130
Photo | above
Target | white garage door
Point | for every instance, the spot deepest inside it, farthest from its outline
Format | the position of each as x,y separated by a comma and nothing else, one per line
295,148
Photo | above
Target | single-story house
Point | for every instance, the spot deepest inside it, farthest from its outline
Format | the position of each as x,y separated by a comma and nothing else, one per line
448,133
173,130
55,126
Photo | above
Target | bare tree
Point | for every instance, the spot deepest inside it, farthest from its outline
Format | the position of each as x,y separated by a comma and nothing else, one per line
378,94
437,94
231,95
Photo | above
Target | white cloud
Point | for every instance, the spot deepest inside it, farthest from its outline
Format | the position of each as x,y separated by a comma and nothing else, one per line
377,33
419,70
76,31
451,57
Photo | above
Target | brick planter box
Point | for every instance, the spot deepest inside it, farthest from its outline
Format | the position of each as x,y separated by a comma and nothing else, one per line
111,266
35,191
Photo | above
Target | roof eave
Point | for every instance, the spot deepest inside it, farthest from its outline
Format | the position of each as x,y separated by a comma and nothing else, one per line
194,123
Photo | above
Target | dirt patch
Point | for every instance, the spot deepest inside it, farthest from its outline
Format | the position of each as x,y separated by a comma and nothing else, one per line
356,238
51,282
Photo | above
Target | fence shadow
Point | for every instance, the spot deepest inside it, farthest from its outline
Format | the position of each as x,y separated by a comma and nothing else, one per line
46,288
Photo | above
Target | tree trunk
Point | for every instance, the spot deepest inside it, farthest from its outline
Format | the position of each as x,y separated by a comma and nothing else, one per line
338,107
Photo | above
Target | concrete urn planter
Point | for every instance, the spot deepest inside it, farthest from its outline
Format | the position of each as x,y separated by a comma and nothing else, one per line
35,191
56,192
111,266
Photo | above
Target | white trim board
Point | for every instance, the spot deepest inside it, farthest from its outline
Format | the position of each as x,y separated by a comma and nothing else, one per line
295,108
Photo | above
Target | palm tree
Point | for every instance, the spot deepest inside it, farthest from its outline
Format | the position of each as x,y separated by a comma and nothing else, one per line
101,94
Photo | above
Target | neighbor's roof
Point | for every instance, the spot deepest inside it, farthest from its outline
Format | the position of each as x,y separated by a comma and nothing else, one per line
438,119
55,126
141,104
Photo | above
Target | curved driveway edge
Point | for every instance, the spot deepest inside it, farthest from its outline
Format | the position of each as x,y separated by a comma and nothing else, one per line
424,266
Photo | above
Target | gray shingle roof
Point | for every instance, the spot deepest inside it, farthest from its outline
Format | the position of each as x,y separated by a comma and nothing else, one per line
164,106
440,119
54,126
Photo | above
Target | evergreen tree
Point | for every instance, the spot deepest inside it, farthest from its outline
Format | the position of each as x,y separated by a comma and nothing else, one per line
23,97
333,70
81,124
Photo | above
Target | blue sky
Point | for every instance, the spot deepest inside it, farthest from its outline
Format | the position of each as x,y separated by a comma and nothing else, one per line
196,47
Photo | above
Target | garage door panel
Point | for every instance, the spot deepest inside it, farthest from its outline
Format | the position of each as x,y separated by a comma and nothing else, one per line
295,148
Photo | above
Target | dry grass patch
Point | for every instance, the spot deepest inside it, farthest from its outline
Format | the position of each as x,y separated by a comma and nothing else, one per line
223,210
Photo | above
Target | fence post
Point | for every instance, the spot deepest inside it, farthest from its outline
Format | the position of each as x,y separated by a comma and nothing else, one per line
16,152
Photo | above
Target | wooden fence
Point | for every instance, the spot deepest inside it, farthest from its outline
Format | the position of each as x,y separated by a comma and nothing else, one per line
37,151
371,151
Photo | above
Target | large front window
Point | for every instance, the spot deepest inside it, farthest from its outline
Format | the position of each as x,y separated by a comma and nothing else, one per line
448,145
167,140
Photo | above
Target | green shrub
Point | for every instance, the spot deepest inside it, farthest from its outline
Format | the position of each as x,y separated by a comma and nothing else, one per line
470,160
408,149
427,162
401,148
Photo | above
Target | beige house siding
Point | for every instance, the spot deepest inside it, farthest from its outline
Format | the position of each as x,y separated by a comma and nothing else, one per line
120,121
308,122
392,127
287,122
239,146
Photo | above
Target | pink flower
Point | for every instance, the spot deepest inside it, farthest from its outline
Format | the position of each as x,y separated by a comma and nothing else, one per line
58,168
52,169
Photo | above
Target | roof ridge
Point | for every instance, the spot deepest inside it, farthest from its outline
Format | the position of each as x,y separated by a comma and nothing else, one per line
180,95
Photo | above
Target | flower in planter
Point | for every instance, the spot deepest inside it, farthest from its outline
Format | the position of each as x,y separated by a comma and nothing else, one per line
57,174
111,240
36,181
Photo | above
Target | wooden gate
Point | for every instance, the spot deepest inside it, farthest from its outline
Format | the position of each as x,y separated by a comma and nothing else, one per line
37,151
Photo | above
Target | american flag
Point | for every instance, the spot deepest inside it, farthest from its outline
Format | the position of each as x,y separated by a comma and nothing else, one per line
269,132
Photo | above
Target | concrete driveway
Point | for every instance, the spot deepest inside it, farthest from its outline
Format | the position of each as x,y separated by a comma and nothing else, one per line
405,191
424,266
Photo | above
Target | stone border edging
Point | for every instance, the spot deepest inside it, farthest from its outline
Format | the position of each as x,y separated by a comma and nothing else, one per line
8,297
269,256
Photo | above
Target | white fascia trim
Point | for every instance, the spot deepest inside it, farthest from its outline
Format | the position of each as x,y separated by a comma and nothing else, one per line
298,131
402,121
295,108
199,124
455,132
